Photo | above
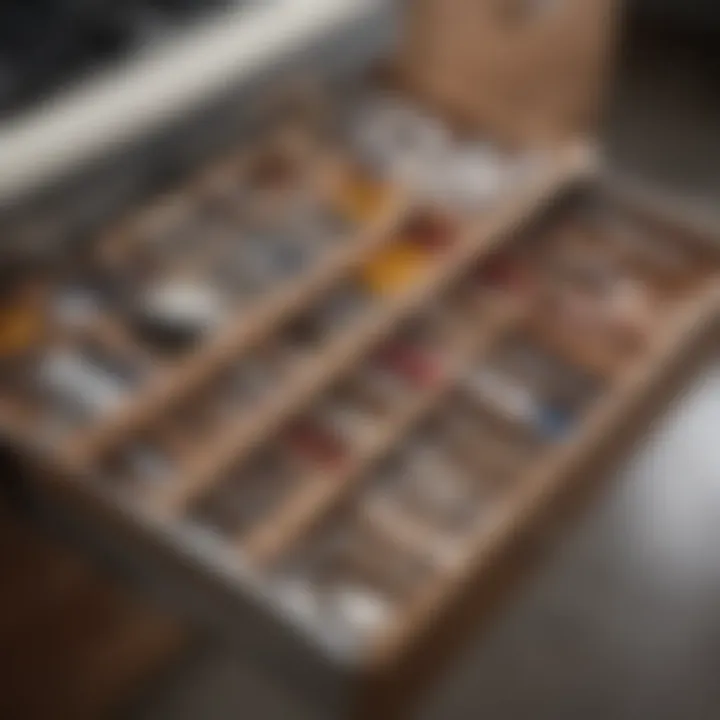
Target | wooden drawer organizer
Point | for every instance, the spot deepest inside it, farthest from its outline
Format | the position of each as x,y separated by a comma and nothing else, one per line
392,372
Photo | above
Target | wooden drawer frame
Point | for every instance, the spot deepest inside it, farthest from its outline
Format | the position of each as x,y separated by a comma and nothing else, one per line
233,593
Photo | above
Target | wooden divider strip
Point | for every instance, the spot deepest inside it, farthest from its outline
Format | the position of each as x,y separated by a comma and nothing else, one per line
189,376
544,482
314,501
479,239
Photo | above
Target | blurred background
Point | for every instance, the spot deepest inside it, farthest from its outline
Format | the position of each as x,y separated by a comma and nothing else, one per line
623,622
663,100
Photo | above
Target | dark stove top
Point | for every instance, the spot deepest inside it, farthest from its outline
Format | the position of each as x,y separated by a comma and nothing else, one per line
46,45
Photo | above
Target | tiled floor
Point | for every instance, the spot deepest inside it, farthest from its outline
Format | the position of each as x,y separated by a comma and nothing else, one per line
624,621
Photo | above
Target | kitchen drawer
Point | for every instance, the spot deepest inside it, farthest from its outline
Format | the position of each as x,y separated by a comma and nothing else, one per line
134,416
351,529
328,393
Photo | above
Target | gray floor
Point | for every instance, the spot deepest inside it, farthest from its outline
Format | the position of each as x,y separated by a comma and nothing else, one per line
624,621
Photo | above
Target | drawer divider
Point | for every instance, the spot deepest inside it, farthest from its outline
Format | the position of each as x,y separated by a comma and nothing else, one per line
177,383
315,501
604,426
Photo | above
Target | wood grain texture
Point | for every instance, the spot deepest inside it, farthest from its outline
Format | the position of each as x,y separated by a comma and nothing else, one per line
524,73
74,645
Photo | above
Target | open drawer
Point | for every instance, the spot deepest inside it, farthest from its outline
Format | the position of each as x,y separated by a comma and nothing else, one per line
350,525
332,387
144,371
